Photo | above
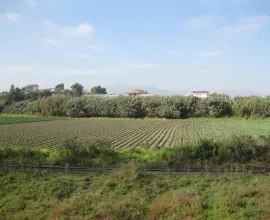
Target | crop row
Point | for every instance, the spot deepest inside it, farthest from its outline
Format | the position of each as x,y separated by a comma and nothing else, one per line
127,133
21,119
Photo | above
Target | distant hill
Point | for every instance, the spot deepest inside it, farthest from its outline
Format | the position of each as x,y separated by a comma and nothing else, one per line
122,88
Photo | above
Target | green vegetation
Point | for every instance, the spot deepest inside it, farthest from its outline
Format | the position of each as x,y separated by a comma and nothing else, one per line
77,89
14,119
225,155
2,101
128,194
132,133
140,107
2,104
98,90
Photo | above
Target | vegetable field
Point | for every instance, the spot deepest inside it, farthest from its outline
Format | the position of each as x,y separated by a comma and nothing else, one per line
8,119
122,133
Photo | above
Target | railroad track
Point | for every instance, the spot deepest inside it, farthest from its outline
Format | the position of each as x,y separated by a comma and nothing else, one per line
66,169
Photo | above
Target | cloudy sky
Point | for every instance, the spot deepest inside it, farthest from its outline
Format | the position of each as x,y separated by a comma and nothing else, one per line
172,44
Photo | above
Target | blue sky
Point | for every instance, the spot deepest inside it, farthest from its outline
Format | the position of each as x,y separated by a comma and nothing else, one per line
172,44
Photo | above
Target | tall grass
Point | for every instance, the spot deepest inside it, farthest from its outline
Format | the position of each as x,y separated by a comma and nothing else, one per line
127,194
237,150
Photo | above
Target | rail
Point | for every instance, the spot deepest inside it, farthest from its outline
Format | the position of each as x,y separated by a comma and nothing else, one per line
67,169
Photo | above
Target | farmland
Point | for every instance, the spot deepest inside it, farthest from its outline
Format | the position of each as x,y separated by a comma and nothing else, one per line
127,133
14,119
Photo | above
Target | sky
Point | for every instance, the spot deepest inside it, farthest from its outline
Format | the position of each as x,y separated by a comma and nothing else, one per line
170,44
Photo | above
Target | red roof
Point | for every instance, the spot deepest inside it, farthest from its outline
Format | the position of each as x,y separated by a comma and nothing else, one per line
137,91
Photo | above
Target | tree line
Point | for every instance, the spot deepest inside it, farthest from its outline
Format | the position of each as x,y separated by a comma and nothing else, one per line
174,107
32,92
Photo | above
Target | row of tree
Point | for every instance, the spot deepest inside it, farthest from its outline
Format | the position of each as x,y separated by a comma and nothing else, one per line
33,92
139,107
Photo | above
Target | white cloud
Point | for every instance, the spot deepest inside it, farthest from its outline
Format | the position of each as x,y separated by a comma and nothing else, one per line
81,29
200,21
209,54
31,3
13,17
144,66
77,72
50,41
70,31
245,24
80,55
174,52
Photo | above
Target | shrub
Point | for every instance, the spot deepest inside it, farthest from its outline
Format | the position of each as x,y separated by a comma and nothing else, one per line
176,205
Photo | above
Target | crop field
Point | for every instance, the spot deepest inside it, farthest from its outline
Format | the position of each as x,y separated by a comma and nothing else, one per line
122,133
7,119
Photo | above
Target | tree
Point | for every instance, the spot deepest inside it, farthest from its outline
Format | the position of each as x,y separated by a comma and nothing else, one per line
60,86
33,95
11,94
77,89
98,90
12,88
18,95
15,94
30,88
45,93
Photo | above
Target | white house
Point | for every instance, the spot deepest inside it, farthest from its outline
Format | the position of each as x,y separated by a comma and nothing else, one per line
206,94
199,94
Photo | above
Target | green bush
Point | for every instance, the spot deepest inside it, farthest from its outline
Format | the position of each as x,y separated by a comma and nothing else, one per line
238,150
138,107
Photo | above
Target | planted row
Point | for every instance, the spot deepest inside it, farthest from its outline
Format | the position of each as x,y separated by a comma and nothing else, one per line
128,133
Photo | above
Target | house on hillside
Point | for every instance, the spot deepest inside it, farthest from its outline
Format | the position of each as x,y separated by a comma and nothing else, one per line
206,94
4,94
138,92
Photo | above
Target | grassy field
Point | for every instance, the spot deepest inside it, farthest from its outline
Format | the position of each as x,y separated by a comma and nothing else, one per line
130,195
123,133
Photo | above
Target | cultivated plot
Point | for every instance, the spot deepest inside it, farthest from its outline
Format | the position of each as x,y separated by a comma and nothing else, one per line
122,133
14,119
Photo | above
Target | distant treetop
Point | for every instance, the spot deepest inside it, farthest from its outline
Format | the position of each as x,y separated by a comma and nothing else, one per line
98,90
